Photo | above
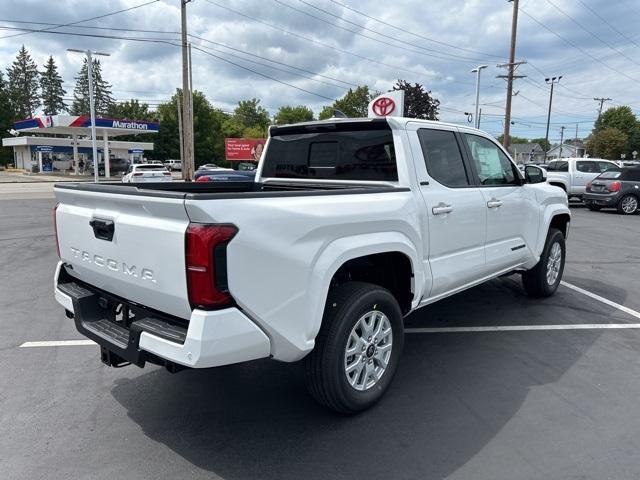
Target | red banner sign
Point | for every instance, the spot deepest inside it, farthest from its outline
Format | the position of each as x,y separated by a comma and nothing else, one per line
244,148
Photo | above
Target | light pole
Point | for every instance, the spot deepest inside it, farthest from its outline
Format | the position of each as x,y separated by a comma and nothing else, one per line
92,108
477,72
551,81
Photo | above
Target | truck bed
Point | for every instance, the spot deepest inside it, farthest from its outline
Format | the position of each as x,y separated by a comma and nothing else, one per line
220,190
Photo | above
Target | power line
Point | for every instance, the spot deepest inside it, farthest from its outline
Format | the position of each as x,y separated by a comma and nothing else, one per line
584,52
167,42
458,59
610,25
395,68
439,42
85,20
364,27
591,33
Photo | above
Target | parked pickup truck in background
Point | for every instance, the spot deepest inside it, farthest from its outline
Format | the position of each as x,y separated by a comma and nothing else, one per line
573,174
350,225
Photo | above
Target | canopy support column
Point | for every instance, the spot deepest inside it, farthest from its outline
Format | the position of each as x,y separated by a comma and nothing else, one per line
75,154
107,160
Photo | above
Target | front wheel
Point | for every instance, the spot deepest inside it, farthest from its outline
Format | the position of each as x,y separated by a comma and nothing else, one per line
357,349
628,205
543,279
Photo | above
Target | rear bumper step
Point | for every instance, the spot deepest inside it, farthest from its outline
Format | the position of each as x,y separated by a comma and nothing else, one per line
94,316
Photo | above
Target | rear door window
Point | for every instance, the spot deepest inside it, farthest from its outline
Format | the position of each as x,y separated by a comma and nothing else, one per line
358,151
587,166
443,157
558,166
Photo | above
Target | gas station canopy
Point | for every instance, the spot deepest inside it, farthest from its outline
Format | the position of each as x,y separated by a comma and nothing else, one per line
81,125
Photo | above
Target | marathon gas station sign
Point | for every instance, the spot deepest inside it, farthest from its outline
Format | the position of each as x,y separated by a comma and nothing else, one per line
248,149
84,121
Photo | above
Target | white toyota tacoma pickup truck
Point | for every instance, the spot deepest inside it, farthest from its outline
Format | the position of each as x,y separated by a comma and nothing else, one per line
573,174
350,225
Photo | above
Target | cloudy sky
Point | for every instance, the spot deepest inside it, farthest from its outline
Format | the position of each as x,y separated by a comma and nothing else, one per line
307,52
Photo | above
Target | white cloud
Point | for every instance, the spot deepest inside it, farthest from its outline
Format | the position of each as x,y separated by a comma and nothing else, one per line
481,29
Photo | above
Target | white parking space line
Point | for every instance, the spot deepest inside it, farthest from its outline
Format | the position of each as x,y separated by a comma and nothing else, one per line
622,308
58,343
515,328
518,328
497,328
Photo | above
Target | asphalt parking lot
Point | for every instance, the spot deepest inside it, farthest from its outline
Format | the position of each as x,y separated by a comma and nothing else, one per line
491,404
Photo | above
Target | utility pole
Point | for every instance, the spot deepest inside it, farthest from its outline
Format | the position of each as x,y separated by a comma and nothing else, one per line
92,109
477,71
576,142
561,140
180,127
510,75
601,100
551,81
187,118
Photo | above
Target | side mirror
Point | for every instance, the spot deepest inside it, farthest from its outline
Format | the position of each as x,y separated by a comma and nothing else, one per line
533,174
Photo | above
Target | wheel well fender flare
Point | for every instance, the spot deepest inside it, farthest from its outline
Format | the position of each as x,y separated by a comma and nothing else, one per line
341,250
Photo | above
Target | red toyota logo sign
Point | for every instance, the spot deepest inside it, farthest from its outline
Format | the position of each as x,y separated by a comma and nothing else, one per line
383,106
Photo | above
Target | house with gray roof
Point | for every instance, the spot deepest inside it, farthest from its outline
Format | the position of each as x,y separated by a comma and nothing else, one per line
526,152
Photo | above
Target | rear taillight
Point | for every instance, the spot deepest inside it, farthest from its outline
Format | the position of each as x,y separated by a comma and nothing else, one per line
202,179
55,227
206,259
614,187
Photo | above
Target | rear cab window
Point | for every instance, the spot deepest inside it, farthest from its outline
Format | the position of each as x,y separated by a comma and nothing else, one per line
359,151
443,157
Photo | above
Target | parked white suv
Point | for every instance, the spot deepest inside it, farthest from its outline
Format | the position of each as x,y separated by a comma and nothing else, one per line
350,225
173,164
573,174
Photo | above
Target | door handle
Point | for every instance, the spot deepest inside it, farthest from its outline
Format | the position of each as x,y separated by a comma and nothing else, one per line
494,203
441,209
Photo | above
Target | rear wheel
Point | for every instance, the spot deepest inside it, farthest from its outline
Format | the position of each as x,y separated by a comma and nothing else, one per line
543,279
594,207
628,205
357,349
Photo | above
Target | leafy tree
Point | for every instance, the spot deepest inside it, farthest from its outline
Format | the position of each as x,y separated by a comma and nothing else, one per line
513,139
131,110
101,91
249,113
353,104
23,84
622,119
418,103
607,142
543,142
52,91
287,114
7,117
207,126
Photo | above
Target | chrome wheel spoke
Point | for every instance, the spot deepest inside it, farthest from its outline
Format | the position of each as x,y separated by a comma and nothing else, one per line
368,350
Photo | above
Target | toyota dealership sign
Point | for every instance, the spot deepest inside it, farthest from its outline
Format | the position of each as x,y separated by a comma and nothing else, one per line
390,104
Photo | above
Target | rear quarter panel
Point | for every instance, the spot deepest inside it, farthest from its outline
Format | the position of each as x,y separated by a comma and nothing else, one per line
287,249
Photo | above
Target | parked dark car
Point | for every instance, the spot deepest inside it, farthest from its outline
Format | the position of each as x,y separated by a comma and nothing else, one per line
117,166
615,189
225,176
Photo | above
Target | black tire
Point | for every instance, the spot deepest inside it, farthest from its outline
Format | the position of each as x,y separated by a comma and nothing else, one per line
594,207
325,375
634,206
535,280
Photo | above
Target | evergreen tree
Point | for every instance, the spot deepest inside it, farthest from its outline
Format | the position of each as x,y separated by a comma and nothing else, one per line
23,84
6,118
101,92
52,91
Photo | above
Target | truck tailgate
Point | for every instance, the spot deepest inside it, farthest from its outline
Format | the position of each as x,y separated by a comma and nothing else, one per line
129,245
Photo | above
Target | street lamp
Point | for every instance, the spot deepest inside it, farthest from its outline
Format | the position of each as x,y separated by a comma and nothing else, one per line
92,109
477,72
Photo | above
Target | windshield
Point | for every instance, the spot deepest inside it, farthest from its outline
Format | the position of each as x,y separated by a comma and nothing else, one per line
362,151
